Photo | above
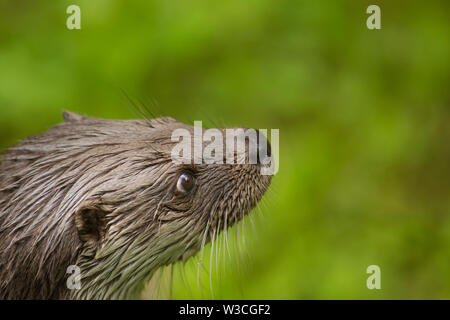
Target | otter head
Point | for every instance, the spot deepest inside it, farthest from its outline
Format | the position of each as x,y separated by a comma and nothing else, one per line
108,197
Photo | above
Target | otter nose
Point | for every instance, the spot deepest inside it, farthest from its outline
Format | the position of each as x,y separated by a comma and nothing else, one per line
264,149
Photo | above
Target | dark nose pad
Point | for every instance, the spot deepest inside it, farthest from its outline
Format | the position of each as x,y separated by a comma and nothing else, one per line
264,149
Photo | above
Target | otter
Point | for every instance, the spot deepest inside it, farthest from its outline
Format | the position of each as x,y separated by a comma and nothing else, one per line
105,196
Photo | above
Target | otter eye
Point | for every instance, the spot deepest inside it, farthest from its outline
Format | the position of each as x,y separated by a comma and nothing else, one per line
185,182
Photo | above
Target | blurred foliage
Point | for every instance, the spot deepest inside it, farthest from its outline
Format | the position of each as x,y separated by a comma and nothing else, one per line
363,116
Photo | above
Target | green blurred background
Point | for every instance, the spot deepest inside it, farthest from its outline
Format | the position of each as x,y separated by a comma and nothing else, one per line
363,116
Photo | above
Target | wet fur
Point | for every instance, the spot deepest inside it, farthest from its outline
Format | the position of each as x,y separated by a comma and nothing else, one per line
100,194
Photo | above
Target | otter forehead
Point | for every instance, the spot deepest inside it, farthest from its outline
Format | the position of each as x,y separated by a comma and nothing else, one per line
106,195
96,130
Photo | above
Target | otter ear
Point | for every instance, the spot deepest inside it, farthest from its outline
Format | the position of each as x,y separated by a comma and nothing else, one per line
70,116
90,221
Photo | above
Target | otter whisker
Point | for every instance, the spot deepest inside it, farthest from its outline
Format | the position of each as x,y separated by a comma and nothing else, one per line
226,234
155,105
171,281
260,211
185,280
218,245
200,263
134,105
146,108
237,250
244,242
211,263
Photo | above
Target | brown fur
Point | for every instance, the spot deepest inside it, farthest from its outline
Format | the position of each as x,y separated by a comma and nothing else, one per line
99,194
